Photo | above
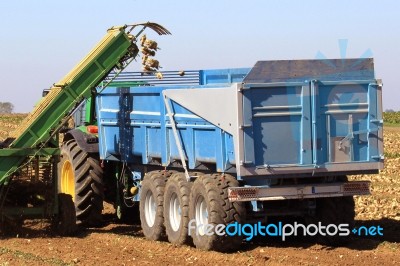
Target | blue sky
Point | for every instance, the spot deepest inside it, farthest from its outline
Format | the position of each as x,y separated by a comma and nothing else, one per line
42,40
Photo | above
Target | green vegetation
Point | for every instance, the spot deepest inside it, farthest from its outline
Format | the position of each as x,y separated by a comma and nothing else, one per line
391,118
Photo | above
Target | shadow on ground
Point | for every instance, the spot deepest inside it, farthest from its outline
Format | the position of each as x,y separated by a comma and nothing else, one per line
43,229
390,230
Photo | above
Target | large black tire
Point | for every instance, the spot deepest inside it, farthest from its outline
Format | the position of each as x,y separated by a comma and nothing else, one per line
213,191
65,223
151,205
88,192
176,209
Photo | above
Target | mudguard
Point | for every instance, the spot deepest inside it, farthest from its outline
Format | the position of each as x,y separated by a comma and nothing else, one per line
87,142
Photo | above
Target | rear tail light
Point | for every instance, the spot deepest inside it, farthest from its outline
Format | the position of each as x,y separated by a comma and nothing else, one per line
92,129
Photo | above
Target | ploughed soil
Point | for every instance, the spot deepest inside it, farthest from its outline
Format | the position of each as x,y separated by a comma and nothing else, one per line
121,244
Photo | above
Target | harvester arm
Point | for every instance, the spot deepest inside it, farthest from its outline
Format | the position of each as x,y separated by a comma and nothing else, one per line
115,51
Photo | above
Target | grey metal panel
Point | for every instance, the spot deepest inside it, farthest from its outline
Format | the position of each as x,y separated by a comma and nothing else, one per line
216,105
340,152
300,70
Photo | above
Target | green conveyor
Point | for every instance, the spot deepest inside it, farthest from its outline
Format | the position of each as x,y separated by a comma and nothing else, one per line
30,139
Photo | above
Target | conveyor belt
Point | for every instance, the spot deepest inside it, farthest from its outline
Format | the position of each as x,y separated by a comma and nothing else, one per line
115,47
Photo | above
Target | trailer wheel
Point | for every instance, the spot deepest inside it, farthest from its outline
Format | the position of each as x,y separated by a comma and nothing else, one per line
176,209
209,204
151,205
81,176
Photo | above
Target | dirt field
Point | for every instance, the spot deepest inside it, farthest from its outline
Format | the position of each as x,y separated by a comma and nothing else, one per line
121,244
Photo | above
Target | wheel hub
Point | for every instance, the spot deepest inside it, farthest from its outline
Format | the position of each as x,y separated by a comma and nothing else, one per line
175,212
68,179
150,209
201,215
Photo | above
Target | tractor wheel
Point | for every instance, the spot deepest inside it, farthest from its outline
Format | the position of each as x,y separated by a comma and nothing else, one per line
81,176
151,205
209,204
65,223
176,209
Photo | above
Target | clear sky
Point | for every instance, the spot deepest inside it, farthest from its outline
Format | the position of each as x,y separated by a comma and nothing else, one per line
42,40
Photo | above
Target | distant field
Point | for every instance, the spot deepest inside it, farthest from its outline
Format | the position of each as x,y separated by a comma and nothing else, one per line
391,118
8,123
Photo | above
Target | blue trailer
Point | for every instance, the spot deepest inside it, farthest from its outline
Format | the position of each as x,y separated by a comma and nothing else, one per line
196,154
237,145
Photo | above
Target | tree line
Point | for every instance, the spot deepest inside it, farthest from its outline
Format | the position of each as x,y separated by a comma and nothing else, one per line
6,108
